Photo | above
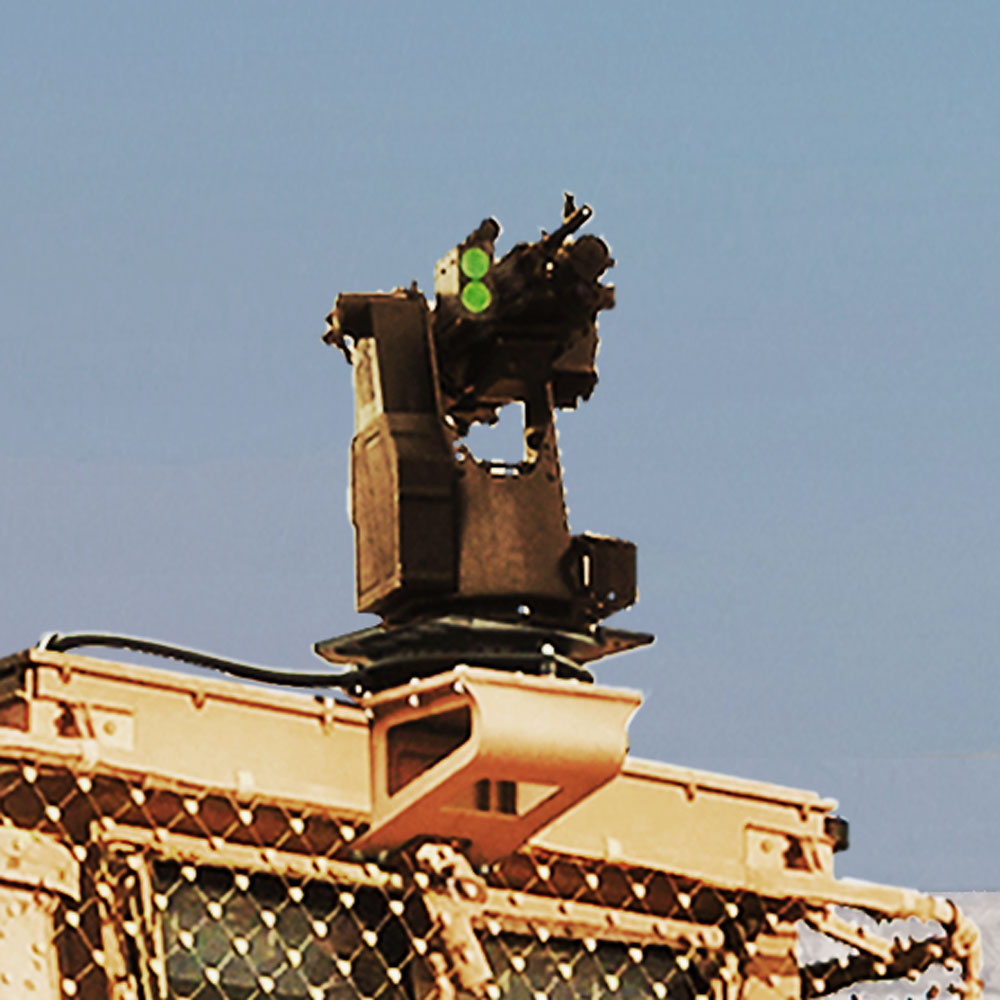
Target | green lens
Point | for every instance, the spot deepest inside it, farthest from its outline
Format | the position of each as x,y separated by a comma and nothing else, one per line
476,297
475,263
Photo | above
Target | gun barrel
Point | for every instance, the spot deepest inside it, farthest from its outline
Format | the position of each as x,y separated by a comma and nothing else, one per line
579,216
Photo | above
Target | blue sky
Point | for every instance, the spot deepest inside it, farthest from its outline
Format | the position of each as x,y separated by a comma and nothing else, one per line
797,416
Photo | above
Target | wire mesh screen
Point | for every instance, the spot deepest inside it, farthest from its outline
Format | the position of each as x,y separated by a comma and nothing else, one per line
644,890
233,934
528,969
210,894
177,928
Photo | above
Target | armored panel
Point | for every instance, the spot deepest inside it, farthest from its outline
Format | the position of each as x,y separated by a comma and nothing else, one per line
402,506
402,476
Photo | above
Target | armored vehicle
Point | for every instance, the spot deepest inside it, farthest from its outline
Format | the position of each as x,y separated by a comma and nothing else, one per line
451,810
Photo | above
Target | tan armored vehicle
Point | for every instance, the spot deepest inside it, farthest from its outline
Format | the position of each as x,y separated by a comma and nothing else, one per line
463,818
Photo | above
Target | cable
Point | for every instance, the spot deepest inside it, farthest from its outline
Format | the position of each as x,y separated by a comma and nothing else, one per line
247,671
359,679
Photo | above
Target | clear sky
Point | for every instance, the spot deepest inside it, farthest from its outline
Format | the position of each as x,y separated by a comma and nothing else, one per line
798,409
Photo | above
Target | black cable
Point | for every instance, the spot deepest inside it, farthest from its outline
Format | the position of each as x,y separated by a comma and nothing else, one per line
247,671
360,679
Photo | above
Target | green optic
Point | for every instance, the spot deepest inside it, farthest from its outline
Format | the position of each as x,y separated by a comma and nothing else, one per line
476,296
475,263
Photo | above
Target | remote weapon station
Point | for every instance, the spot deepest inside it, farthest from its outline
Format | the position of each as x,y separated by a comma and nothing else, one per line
463,821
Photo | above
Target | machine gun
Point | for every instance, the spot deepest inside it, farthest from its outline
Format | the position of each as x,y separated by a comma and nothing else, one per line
460,555
509,331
